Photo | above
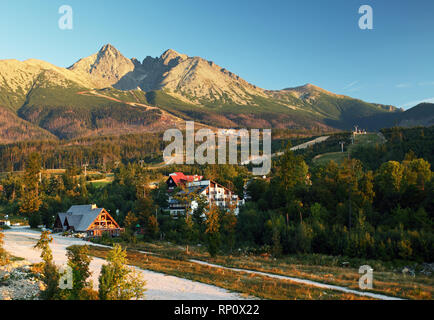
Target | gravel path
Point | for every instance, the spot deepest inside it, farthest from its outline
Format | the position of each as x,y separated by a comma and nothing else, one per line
304,281
298,147
20,241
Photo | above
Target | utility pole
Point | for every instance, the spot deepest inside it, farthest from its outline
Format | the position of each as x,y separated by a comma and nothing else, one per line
85,169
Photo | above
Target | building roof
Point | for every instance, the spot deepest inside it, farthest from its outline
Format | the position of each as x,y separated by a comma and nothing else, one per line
80,217
194,189
181,178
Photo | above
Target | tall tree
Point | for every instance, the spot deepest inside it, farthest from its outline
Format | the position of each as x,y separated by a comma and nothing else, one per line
50,271
79,260
213,230
30,199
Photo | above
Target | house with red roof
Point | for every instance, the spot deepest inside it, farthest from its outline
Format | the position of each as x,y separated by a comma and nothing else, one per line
214,193
179,179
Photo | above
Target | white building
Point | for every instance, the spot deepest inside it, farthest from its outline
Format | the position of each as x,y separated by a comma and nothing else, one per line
215,193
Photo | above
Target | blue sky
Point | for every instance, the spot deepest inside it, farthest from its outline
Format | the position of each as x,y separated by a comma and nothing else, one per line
274,44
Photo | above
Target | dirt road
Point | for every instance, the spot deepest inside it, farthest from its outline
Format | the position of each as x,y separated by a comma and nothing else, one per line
19,242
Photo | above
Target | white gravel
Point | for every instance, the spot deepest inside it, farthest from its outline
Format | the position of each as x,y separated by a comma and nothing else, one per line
19,242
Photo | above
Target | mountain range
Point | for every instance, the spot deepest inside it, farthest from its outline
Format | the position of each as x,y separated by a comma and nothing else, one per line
107,93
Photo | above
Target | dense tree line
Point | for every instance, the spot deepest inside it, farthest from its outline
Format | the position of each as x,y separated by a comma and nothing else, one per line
343,210
400,141
100,153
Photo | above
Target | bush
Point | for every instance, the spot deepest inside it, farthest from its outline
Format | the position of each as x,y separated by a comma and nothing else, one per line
3,254
117,281
213,244
34,220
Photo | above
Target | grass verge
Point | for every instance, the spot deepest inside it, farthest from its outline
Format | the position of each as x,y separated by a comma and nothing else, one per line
247,284
321,268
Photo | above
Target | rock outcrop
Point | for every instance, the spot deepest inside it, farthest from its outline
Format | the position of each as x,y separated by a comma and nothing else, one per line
17,282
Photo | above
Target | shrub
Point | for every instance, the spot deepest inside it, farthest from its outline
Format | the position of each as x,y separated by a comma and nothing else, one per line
117,281
3,254
34,220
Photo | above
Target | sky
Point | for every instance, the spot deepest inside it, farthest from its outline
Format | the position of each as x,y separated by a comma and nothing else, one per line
273,44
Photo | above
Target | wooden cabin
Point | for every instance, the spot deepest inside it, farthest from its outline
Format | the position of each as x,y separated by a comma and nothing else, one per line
87,219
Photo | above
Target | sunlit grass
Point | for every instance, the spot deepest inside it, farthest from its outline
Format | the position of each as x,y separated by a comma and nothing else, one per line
320,268
251,285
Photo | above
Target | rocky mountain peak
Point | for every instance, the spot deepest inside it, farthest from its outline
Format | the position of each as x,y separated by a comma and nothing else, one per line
109,51
170,57
106,67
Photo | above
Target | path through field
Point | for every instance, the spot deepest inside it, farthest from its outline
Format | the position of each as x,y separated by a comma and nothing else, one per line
304,281
19,241
298,147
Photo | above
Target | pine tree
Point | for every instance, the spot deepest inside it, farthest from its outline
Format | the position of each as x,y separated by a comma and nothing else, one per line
213,230
30,200
79,260
50,273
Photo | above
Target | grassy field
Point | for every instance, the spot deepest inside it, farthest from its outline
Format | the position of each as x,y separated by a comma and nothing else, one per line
320,268
339,157
248,284
102,182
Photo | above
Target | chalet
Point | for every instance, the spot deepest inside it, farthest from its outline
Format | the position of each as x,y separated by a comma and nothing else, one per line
87,219
178,179
214,193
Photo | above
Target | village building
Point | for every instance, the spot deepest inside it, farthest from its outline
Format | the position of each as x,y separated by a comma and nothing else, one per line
5,223
179,180
213,192
87,219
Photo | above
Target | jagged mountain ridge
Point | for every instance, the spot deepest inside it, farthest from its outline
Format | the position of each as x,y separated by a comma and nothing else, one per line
194,78
106,93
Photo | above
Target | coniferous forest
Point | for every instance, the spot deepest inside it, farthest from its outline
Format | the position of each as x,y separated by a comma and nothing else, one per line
376,204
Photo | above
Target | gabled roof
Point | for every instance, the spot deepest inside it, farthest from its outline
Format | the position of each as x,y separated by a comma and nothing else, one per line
181,178
80,217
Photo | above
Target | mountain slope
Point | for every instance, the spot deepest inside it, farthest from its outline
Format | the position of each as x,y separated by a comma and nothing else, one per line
420,115
105,67
201,90
39,101
13,128
17,79
336,110
194,78
107,93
